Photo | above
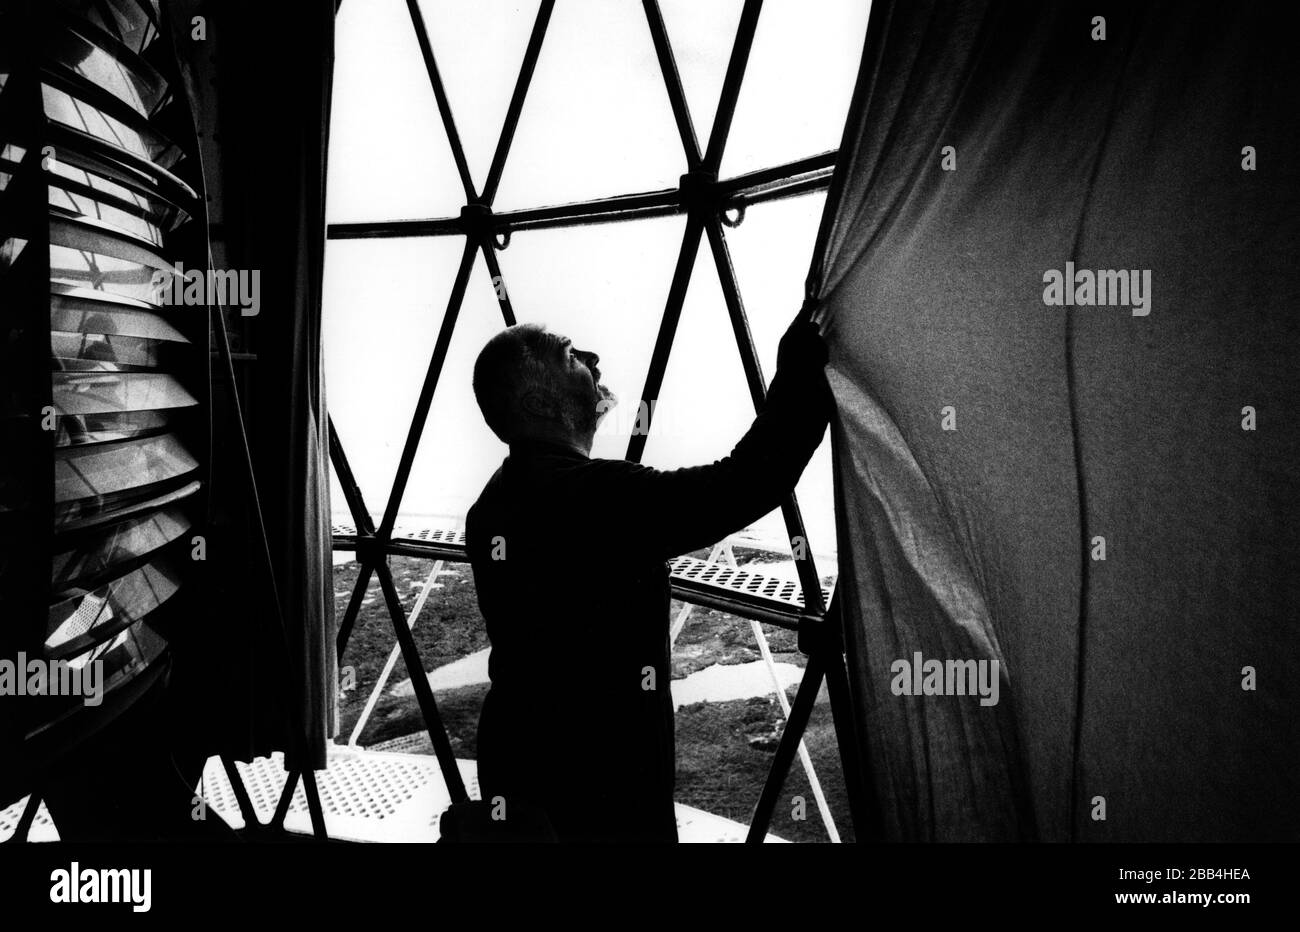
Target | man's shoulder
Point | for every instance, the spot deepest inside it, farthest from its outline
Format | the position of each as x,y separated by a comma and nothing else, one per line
484,505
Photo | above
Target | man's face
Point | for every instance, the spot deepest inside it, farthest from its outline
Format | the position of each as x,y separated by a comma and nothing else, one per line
580,374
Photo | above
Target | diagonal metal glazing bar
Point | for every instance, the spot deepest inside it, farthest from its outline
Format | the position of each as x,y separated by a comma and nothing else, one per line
440,95
731,83
498,281
806,567
423,691
673,82
313,805
667,331
286,797
526,71
349,621
28,818
310,791
795,726
351,491
365,529
426,391
244,801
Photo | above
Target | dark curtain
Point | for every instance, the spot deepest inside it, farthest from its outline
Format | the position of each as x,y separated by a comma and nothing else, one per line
259,82
1122,677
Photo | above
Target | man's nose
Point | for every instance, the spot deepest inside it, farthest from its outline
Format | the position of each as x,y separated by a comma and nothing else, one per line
591,359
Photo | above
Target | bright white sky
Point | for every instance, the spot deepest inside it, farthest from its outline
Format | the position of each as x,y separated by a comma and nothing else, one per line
596,122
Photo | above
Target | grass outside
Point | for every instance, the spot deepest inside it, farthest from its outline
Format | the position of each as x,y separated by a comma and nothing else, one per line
724,749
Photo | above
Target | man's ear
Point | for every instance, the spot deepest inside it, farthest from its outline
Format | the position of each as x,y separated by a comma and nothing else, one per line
539,406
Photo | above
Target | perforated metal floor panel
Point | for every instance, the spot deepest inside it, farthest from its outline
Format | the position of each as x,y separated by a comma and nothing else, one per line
434,535
692,578
42,826
386,796
740,581
367,796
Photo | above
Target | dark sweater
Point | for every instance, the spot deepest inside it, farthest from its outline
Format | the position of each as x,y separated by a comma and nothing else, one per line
579,718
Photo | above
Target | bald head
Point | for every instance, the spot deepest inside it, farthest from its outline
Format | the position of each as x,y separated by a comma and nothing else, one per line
532,384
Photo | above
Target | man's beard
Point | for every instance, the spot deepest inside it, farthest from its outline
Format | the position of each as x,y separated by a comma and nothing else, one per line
606,400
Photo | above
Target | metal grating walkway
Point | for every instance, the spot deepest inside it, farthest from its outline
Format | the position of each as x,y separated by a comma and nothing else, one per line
388,796
367,796
42,826
693,580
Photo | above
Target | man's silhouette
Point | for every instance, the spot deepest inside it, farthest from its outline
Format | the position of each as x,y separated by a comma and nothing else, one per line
569,556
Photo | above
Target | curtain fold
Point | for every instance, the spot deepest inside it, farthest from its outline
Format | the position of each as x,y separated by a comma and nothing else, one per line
987,440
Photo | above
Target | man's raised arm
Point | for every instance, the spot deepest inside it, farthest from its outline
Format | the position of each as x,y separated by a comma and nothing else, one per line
679,510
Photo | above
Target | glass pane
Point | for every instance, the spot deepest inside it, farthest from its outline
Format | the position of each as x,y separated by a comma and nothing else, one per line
129,540
79,393
111,182
704,406
369,647
597,120
83,516
125,19
84,269
86,257
458,453
105,428
384,302
89,237
104,352
134,83
727,716
797,87
605,288
340,515
79,621
126,655
80,310
701,35
389,158
814,800
479,45
451,639
10,250
771,251
99,471
145,143
80,205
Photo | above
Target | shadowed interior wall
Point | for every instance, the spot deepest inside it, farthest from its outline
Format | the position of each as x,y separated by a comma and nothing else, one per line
259,82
